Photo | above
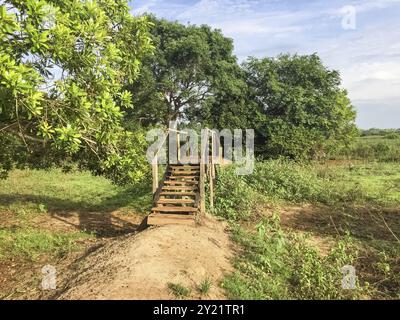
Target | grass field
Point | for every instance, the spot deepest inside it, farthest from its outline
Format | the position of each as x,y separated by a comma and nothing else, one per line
297,225
373,148
48,216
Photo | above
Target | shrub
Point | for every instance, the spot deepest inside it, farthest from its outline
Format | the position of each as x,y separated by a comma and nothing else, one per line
280,265
235,199
285,180
178,290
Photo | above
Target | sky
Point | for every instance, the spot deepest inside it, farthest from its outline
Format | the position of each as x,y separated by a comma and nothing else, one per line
360,39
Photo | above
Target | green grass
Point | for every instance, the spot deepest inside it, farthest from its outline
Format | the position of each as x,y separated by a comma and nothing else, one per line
205,286
372,148
363,200
78,191
178,290
30,243
280,181
278,264
29,194
367,183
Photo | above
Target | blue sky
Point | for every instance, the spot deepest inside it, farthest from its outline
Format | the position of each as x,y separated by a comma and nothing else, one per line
366,52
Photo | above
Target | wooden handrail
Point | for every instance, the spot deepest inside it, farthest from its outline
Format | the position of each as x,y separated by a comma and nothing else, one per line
207,165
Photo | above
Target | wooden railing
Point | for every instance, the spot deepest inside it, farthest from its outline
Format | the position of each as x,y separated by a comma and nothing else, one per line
208,159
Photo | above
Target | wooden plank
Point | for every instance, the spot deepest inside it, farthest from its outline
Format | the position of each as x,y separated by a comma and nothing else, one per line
184,173
183,177
177,193
179,188
174,209
175,182
184,166
178,146
175,167
176,201
163,219
155,175
211,189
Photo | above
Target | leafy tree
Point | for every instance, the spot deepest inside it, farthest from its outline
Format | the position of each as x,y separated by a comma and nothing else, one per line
302,112
230,106
189,67
62,69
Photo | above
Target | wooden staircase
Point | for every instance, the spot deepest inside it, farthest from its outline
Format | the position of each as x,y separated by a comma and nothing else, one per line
177,199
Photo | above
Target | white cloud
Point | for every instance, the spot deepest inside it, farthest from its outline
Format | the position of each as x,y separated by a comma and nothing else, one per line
368,57
144,8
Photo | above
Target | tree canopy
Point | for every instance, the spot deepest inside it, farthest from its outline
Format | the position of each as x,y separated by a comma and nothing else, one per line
63,65
82,80
190,64
302,111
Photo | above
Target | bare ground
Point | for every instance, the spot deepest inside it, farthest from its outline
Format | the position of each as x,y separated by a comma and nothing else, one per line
141,265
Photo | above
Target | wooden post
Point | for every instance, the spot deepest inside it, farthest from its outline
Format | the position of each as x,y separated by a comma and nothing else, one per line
213,140
211,189
203,157
187,155
154,168
178,146
220,161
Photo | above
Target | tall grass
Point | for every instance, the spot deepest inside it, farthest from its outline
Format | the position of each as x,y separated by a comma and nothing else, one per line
280,181
277,263
376,148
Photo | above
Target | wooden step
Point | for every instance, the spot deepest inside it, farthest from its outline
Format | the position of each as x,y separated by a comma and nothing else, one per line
174,209
182,177
184,173
163,219
185,166
177,193
179,188
174,182
175,201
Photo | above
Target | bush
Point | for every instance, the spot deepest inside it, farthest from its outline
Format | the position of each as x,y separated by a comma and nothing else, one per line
235,199
285,180
280,265
288,181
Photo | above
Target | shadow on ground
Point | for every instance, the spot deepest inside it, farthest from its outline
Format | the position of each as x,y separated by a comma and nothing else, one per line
117,215
364,223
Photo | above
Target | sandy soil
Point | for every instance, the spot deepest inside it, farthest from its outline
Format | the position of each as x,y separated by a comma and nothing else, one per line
140,265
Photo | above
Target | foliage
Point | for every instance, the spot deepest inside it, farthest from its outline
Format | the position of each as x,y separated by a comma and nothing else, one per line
190,64
178,290
360,199
287,181
62,68
278,264
302,110
380,132
205,286
385,148
235,199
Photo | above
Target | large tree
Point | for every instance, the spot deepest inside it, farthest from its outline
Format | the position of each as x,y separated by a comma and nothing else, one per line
302,110
191,63
63,65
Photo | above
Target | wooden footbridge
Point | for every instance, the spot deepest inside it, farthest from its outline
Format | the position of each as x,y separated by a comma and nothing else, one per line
179,196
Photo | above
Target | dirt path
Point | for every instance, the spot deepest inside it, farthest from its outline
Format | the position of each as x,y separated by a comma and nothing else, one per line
140,266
